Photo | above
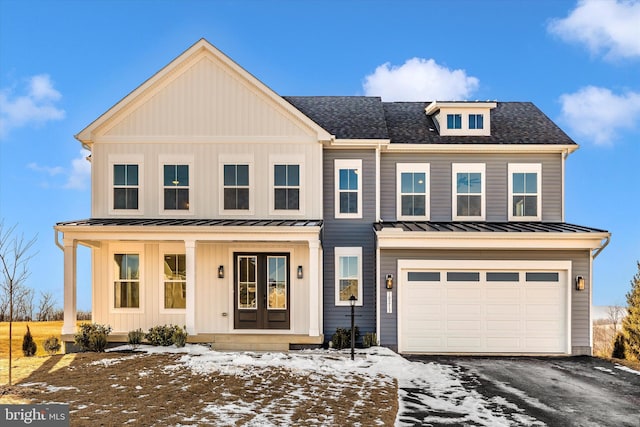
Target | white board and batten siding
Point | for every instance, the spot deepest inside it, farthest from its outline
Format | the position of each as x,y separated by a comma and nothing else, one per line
214,307
439,314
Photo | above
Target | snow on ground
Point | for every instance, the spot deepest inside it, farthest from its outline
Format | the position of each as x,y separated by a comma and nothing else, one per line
627,369
428,392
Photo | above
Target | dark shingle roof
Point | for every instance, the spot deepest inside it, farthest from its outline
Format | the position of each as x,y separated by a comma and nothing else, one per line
346,117
361,117
189,222
486,227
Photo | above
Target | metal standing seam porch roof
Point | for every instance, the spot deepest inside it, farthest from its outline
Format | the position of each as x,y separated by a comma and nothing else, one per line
486,227
189,222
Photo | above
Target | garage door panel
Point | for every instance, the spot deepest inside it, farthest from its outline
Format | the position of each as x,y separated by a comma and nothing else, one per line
483,317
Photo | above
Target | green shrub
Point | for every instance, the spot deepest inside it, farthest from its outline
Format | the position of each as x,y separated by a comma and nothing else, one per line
619,345
29,346
164,335
92,337
342,338
180,337
51,345
135,337
370,339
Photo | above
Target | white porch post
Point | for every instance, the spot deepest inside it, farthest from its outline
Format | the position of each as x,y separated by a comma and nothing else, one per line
190,316
315,287
70,249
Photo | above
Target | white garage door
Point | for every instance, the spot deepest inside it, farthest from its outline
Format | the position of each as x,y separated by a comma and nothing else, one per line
467,310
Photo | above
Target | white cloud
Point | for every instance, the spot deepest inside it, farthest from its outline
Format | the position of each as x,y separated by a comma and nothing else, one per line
598,114
51,171
612,27
419,79
35,106
80,174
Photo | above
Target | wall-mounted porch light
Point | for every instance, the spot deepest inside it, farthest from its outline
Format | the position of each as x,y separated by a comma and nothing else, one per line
221,272
580,283
389,281
299,273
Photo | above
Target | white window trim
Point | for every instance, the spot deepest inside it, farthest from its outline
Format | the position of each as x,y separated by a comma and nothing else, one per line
284,159
167,159
470,168
347,164
165,249
525,168
131,159
234,159
413,167
137,249
347,251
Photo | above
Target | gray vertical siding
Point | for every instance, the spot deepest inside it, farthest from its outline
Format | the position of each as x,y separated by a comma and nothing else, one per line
496,183
349,233
580,306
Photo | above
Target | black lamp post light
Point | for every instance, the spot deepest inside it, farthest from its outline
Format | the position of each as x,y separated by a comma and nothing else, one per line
352,303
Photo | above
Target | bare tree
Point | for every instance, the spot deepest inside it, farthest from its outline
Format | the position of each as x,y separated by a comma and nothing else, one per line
615,314
14,258
45,306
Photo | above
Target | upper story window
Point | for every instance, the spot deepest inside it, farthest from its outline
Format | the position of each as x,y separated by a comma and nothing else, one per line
412,192
468,191
175,281
525,191
176,187
286,187
454,121
348,188
125,186
126,283
348,269
476,121
236,187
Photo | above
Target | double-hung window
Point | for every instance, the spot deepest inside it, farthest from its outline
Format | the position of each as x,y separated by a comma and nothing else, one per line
125,187
412,191
175,281
286,187
126,283
236,187
348,274
525,191
348,188
176,187
454,121
468,191
476,121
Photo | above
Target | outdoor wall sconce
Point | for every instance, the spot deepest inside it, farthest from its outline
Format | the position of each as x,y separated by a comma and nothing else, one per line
221,272
299,274
389,281
580,283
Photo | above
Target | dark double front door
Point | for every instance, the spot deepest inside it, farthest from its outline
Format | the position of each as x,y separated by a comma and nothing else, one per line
261,290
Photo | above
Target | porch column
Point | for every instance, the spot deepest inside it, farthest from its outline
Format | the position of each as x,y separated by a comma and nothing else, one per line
70,249
190,316
315,287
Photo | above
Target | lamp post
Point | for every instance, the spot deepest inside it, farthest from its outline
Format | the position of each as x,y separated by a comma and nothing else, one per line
352,303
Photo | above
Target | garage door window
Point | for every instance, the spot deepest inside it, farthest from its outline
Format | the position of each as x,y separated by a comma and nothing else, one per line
503,277
423,276
543,277
463,276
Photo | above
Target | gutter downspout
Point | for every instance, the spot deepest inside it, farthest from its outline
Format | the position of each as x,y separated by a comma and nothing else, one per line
57,241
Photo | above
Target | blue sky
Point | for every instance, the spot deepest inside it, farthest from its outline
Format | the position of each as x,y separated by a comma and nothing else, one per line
63,63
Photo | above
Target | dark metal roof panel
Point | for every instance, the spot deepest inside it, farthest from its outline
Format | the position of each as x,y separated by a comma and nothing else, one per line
190,222
486,227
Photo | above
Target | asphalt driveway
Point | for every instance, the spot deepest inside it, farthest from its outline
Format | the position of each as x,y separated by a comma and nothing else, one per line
567,391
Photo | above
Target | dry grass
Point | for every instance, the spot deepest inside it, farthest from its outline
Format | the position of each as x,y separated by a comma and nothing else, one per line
154,389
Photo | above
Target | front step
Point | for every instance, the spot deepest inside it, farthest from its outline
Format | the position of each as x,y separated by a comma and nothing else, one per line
245,346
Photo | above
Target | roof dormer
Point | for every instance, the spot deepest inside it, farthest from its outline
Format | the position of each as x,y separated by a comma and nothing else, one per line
461,118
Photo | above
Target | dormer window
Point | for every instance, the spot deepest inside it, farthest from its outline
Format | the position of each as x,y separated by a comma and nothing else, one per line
454,121
461,118
476,121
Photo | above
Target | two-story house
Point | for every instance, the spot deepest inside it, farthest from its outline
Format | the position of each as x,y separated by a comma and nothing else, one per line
252,218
